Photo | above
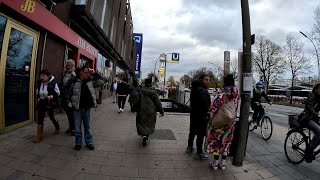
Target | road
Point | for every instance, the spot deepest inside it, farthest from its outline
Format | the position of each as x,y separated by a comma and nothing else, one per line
277,113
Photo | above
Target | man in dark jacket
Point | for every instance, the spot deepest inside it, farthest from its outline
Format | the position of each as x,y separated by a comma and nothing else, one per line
81,96
122,92
258,110
200,104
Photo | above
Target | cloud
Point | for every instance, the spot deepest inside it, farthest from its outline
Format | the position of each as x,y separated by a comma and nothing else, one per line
202,30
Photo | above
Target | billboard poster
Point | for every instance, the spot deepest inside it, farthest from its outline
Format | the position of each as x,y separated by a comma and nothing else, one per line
138,38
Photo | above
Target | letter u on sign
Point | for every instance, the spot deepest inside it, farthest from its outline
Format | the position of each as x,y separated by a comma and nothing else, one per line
175,56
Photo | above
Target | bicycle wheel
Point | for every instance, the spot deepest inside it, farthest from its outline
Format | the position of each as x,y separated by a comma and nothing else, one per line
266,128
295,145
251,127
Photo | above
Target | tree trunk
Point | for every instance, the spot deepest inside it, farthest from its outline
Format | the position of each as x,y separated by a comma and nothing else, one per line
291,95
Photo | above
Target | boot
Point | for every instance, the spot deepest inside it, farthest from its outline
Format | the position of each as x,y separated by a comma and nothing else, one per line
39,137
57,128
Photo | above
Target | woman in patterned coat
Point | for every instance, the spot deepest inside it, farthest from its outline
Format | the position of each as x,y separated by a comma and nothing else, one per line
219,139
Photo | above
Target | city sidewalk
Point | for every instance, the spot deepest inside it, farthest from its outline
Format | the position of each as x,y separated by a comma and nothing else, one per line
119,154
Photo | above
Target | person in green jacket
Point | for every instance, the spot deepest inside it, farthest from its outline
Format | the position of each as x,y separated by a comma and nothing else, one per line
147,106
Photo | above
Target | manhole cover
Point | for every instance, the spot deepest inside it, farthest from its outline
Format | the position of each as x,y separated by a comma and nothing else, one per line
163,134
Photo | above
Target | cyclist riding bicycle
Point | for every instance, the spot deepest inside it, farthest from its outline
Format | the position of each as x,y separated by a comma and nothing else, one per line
256,103
310,120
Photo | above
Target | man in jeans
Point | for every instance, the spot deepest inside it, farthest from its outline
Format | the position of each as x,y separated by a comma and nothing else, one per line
81,96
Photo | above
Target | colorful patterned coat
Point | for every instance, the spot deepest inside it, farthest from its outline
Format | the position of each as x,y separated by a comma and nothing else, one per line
219,138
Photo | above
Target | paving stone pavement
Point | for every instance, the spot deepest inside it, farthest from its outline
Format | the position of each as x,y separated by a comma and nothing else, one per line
119,154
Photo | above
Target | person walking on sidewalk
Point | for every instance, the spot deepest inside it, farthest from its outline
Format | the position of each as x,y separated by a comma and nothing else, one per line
47,94
82,97
219,139
113,90
200,104
147,105
70,73
134,90
122,92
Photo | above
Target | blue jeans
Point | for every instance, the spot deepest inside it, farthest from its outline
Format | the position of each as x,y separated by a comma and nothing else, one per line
82,115
315,128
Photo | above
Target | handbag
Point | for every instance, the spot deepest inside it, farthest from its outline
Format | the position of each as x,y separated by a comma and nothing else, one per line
225,115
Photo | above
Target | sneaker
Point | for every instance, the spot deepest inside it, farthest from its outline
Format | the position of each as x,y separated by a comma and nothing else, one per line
189,150
144,140
214,165
68,131
90,147
201,156
222,164
77,147
114,102
120,110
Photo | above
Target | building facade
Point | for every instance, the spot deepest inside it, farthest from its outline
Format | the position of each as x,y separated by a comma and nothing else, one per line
37,35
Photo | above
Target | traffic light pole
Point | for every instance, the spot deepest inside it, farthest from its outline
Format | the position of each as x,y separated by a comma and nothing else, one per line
246,89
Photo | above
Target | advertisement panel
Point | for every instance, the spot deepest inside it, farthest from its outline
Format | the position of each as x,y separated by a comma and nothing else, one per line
138,38
162,69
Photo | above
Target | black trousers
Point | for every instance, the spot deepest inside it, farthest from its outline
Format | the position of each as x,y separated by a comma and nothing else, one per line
41,113
199,141
258,113
121,101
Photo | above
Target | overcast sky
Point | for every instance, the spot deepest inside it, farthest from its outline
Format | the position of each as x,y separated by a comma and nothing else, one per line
201,30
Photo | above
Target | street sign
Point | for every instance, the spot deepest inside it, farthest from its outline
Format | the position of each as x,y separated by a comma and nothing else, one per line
174,58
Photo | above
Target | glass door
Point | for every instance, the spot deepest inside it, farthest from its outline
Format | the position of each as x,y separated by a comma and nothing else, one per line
17,67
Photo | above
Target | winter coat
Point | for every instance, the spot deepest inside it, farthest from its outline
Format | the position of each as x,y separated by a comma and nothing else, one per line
47,89
123,89
148,104
312,107
200,103
134,92
73,92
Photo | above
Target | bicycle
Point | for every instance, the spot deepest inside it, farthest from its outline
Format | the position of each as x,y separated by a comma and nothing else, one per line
265,124
297,142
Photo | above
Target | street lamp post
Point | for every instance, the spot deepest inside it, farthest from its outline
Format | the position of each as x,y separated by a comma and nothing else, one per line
316,52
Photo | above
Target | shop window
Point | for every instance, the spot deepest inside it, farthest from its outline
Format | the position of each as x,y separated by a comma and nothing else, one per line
3,22
83,62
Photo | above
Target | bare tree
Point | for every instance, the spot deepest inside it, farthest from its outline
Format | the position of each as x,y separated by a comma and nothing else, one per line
214,80
234,67
267,59
186,79
172,81
316,26
296,60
